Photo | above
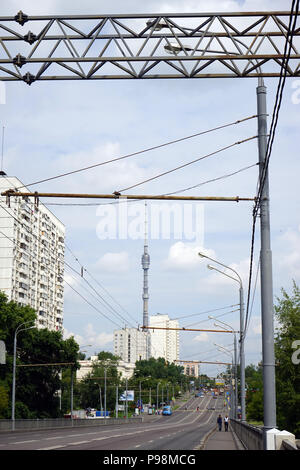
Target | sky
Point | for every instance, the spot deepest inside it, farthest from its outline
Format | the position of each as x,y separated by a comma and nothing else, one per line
55,127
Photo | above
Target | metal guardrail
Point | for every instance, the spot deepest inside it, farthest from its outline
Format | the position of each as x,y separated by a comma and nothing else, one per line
35,424
250,436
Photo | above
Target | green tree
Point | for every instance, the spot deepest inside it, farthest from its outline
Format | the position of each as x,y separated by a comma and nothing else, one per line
4,401
254,393
88,389
36,386
158,372
287,313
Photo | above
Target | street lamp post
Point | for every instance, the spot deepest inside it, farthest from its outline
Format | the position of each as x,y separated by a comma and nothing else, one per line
105,393
242,330
157,395
235,365
100,396
13,400
126,403
227,351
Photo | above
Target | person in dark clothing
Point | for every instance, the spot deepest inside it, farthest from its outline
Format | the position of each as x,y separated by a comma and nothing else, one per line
219,421
226,420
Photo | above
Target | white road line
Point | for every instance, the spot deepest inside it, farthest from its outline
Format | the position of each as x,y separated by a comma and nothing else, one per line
51,448
25,442
77,443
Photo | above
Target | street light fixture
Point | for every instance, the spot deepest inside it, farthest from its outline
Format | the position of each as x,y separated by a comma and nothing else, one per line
176,47
158,25
13,401
242,328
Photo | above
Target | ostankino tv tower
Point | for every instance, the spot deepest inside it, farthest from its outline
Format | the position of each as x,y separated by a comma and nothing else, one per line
145,266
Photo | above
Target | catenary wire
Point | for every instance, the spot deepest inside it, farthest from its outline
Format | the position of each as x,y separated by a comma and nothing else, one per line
187,164
138,152
83,269
122,201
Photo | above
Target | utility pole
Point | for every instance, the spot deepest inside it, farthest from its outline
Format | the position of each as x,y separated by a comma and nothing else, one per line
117,401
105,393
242,353
71,392
267,313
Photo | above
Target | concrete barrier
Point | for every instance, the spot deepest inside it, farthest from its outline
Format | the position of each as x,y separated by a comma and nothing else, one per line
34,424
250,436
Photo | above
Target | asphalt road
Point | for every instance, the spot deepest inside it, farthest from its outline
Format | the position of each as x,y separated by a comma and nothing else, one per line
183,430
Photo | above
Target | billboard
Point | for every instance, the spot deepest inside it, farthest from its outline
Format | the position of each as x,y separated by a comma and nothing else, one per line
129,397
219,381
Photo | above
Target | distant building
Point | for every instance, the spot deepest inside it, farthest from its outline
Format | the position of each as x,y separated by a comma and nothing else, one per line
130,344
124,368
32,256
164,342
191,368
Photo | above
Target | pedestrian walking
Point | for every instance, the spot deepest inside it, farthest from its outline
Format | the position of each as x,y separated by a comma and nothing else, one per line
226,420
219,421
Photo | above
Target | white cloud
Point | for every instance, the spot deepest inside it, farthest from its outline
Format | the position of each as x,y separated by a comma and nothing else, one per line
91,337
202,338
114,262
185,256
290,254
256,326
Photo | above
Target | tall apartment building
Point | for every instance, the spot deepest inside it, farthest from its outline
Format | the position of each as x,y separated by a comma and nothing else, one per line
164,343
130,344
32,256
191,368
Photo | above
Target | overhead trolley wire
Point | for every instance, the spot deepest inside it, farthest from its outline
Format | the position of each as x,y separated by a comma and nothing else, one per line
121,201
93,306
187,164
103,302
123,157
83,269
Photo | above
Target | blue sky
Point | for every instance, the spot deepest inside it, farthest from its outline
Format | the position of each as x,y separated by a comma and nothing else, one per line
53,127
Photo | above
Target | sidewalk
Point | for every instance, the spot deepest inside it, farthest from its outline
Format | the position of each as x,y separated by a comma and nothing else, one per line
221,440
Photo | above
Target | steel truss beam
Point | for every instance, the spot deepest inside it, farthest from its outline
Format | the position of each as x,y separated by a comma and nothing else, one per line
95,47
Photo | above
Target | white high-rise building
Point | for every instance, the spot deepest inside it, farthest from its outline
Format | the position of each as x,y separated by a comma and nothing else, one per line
130,344
32,255
164,342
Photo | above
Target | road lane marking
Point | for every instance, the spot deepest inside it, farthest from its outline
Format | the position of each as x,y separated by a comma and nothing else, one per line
77,443
101,438
25,442
51,448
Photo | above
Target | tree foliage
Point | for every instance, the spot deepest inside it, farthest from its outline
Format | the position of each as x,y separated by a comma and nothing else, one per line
287,338
254,394
90,391
36,386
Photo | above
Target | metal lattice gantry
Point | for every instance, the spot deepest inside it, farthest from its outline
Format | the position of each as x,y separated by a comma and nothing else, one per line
146,46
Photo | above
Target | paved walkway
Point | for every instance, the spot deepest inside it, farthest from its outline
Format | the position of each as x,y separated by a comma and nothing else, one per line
221,440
